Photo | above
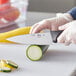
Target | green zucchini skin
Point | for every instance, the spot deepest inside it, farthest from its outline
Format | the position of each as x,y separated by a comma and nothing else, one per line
11,63
43,49
5,69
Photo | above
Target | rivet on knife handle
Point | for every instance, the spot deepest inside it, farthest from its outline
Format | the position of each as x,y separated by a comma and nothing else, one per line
55,35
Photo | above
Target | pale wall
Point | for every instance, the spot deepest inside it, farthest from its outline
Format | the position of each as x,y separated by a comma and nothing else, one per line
51,5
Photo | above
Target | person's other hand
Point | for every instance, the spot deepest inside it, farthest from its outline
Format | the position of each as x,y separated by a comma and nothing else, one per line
69,34
52,24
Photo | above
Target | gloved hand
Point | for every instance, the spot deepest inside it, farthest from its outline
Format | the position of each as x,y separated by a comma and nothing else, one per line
52,24
69,34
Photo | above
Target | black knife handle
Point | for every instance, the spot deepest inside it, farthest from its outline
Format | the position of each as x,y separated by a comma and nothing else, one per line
55,35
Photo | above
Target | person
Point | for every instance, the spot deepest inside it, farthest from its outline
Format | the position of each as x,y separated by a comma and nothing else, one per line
63,21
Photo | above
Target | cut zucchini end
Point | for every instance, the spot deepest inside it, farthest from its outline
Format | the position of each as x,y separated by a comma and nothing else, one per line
5,69
4,64
14,65
7,66
34,52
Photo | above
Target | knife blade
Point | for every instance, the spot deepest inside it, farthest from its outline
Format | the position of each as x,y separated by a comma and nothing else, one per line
37,39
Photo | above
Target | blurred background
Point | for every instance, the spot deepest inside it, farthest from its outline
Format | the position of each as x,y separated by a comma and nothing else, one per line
51,5
37,11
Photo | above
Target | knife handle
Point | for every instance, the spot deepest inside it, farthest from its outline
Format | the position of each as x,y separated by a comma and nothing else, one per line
55,35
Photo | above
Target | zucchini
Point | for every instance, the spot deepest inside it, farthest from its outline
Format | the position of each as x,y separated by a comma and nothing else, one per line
5,69
16,32
35,52
0,64
7,66
11,63
4,64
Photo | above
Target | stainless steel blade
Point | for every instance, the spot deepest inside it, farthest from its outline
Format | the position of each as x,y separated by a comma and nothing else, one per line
38,38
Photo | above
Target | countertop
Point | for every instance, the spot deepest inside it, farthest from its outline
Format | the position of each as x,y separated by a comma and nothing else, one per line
59,60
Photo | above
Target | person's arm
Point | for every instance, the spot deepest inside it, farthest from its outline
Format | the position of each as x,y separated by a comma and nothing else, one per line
72,12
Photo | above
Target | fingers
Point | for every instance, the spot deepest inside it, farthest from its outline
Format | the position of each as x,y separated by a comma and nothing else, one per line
45,24
39,28
33,27
65,38
54,28
67,43
63,27
61,38
73,39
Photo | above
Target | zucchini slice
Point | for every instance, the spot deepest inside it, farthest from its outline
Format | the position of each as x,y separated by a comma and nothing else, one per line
35,52
11,63
4,64
5,69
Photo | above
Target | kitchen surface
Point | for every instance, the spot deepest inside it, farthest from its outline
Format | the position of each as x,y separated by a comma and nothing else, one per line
59,60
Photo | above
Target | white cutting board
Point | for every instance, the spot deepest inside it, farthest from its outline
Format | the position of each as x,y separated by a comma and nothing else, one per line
57,61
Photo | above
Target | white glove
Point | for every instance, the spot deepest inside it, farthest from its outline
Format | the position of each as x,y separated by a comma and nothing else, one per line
52,23
69,34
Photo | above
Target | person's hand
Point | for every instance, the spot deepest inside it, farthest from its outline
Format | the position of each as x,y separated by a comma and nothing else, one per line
69,34
52,24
